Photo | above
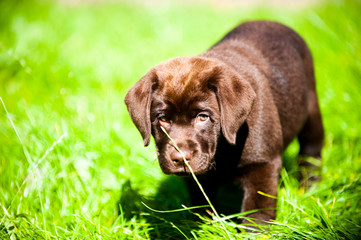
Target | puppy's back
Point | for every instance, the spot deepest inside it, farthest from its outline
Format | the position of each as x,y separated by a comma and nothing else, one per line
283,57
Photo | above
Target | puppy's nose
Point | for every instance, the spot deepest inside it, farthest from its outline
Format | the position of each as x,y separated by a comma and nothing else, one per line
178,158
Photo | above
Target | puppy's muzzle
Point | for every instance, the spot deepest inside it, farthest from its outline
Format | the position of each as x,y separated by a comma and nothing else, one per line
178,158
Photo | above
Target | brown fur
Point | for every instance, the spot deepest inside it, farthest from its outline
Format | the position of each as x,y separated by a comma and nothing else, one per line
233,110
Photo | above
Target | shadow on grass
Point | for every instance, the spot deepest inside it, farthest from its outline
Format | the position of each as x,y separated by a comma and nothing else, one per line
173,194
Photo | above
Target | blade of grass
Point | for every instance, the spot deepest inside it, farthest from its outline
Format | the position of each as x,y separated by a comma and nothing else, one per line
174,210
25,150
266,195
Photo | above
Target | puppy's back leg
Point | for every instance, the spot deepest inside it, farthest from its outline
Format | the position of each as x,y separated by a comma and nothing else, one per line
311,140
312,134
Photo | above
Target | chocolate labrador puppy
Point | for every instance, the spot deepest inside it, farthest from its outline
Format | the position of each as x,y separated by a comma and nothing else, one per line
232,111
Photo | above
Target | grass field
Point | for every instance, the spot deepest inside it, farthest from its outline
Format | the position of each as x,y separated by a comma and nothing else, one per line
72,165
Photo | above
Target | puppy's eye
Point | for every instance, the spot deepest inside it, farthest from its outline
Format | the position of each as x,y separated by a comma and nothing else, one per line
163,119
202,117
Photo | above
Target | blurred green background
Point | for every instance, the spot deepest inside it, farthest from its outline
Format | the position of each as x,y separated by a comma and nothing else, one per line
72,165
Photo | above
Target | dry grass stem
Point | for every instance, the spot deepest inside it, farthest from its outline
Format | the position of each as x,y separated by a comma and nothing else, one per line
198,183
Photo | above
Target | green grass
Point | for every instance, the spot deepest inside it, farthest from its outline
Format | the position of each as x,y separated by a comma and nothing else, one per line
72,165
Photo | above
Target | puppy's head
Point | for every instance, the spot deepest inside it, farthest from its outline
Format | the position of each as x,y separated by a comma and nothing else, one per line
195,100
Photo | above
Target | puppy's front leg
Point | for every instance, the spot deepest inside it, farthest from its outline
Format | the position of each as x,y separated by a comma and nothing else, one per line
261,177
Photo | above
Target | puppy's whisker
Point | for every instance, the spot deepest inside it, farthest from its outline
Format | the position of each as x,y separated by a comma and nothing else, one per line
198,183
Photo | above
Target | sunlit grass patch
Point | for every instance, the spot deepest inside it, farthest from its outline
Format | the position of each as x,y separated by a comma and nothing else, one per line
75,167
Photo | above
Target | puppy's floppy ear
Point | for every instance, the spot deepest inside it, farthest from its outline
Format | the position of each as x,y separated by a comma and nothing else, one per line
235,98
138,101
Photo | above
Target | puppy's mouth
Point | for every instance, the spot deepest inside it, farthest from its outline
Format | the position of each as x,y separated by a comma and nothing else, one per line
199,166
